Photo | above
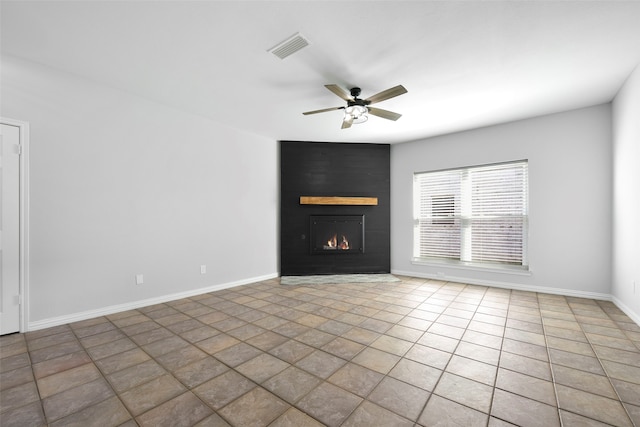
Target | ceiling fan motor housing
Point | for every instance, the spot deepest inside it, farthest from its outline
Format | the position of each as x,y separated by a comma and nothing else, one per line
355,92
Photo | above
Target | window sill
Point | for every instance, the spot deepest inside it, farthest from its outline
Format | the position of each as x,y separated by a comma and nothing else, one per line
460,265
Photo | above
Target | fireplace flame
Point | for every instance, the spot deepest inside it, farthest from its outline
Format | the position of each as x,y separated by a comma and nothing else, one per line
332,243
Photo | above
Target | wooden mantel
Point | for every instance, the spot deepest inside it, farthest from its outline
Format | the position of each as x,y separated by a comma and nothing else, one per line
335,200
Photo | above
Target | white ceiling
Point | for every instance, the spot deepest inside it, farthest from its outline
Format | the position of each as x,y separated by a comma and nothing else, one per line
465,64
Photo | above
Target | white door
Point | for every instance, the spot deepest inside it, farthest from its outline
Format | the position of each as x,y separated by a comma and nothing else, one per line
10,229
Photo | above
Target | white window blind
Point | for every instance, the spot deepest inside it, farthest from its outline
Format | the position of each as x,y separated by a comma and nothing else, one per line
473,215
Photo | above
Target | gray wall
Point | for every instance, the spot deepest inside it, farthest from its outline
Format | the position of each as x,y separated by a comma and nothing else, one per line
626,196
120,186
570,198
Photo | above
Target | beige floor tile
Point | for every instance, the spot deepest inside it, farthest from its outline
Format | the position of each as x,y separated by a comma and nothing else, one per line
329,404
441,412
486,328
16,377
634,412
150,394
581,380
361,335
26,415
490,318
65,380
343,348
122,360
164,346
198,372
295,418
527,386
622,372
102,338
376,360
479,338
17,396
571,419
256,408
75,399
429,356
465,391
204,360
267,340
108,413
48,367
478,352
135,375
417,374
446,330
291,351
592,406
152,335
526,365
217,343
569,334
439,342
399,397
472,369
55,351
320,364
262,367
356,379
291,384
369,414
523,412
392,345
524,336
576,361
617,355
628,392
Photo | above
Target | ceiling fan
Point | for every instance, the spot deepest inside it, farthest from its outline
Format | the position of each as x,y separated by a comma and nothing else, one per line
357,109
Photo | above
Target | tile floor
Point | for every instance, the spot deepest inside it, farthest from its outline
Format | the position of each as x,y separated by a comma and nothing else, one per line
414,353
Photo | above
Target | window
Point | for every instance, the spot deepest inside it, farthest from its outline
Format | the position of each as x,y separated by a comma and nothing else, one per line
475,215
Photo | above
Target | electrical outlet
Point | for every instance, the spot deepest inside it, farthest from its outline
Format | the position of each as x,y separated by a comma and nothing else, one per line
203,269
139,279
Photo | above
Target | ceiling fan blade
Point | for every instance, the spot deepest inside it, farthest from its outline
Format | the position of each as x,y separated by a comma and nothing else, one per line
385,114
386,94
339,91
348,121
324,110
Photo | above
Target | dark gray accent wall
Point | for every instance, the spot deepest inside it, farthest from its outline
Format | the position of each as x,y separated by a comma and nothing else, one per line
333,169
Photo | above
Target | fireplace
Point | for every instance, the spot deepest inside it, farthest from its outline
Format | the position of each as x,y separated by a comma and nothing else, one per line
331,190
336,234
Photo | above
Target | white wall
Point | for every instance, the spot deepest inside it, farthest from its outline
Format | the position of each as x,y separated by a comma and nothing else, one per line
626,196
120,186
570,198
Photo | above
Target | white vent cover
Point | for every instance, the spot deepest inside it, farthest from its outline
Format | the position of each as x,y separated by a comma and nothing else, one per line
289,46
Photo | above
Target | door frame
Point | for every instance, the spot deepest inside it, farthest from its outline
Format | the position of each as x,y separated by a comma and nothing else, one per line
24,219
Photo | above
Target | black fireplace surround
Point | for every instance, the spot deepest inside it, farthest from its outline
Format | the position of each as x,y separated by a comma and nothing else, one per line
334,238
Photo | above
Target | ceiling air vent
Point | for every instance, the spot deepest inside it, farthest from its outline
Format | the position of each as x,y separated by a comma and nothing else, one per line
289,46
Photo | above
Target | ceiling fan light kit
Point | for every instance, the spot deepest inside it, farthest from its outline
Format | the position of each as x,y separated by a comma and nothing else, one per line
357,110
356,114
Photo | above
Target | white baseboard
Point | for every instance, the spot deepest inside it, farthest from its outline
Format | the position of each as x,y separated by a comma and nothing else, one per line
508,285
104,311
84,315
632,315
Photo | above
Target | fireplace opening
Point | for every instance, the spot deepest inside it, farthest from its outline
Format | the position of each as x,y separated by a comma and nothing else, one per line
336,234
